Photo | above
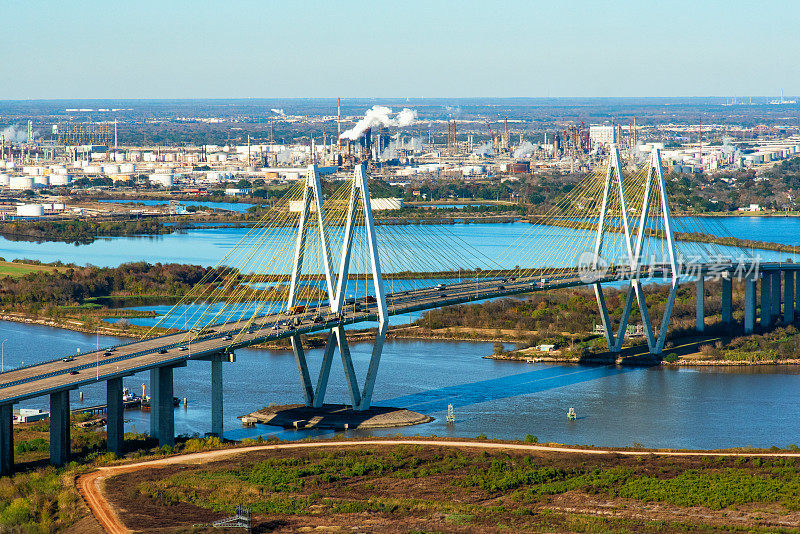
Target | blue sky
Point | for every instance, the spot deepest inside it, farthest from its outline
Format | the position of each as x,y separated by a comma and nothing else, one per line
311,48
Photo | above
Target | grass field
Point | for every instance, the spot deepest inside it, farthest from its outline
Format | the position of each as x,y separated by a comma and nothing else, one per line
15,270
435,489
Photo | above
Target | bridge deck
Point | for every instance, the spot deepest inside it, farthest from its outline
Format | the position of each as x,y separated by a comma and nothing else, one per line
175,349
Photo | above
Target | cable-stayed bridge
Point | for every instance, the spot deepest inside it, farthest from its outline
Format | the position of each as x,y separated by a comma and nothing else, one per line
317,262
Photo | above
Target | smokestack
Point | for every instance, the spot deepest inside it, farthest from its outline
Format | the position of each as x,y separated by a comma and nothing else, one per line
338,120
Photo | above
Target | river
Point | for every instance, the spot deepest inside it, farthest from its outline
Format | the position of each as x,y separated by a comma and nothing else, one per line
616,406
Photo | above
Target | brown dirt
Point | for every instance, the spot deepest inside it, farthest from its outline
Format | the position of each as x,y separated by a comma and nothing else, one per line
142,513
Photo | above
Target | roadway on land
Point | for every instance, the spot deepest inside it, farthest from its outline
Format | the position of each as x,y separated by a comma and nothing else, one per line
90,484
176,348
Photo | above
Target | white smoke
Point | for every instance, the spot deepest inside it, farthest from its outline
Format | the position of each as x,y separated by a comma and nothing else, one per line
485,149
15,134
525,150
278,112
727,148
639,154
380,116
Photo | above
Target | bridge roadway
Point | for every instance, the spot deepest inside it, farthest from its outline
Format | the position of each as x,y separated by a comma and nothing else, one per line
161,354
173,349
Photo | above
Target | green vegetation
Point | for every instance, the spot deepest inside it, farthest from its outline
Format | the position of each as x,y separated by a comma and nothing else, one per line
566,317
481,489
17,268
77,231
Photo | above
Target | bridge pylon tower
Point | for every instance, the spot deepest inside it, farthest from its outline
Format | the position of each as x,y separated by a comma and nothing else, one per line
633,248
336,287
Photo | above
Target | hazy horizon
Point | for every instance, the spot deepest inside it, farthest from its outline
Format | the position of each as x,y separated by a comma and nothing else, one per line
317,49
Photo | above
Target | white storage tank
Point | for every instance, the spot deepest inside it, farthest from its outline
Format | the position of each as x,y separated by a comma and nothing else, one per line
30,210
20,183
4,180
127,168
93,169
33,170
41,181
110,169
57,180
162,179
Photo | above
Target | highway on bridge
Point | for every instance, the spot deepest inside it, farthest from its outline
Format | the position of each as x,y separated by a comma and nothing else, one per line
85,368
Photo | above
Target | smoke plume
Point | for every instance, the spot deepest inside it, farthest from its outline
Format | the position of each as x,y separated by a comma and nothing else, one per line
524,150
380,116
15,134
484,150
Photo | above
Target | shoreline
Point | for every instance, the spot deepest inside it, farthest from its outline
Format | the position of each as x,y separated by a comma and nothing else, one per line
401,333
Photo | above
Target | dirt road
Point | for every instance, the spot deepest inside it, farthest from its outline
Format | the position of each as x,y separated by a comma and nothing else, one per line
90,485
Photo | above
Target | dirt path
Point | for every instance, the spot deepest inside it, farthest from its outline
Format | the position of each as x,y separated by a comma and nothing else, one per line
90,485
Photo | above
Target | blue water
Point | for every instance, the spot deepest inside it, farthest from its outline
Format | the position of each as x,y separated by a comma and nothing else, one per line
239,207
682,408
423,247
692,408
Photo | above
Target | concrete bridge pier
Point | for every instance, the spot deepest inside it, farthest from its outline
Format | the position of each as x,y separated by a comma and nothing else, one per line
727,299
775,292
162,409
216,389
788,296
796,294
115,426
700,301
59,428
766,300
749,304
6,438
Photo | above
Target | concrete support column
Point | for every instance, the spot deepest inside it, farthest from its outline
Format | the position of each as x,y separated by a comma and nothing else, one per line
776,295
700,300
115,427
59,428
788,296
216,395
6,439
766,300
749,305
797,294
727,300
162,410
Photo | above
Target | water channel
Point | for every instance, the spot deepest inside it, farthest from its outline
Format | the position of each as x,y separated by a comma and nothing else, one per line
616,406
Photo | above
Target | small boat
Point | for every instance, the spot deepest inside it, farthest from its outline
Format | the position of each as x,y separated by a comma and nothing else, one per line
176,401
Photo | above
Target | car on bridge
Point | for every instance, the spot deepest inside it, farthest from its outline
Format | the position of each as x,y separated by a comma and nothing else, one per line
67,359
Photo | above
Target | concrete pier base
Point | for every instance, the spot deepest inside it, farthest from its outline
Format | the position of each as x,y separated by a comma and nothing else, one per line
216,396
162,409
749,305
59,428
727,300
797,295
775,293
766,301
115,426
700,300
788,297
6,439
